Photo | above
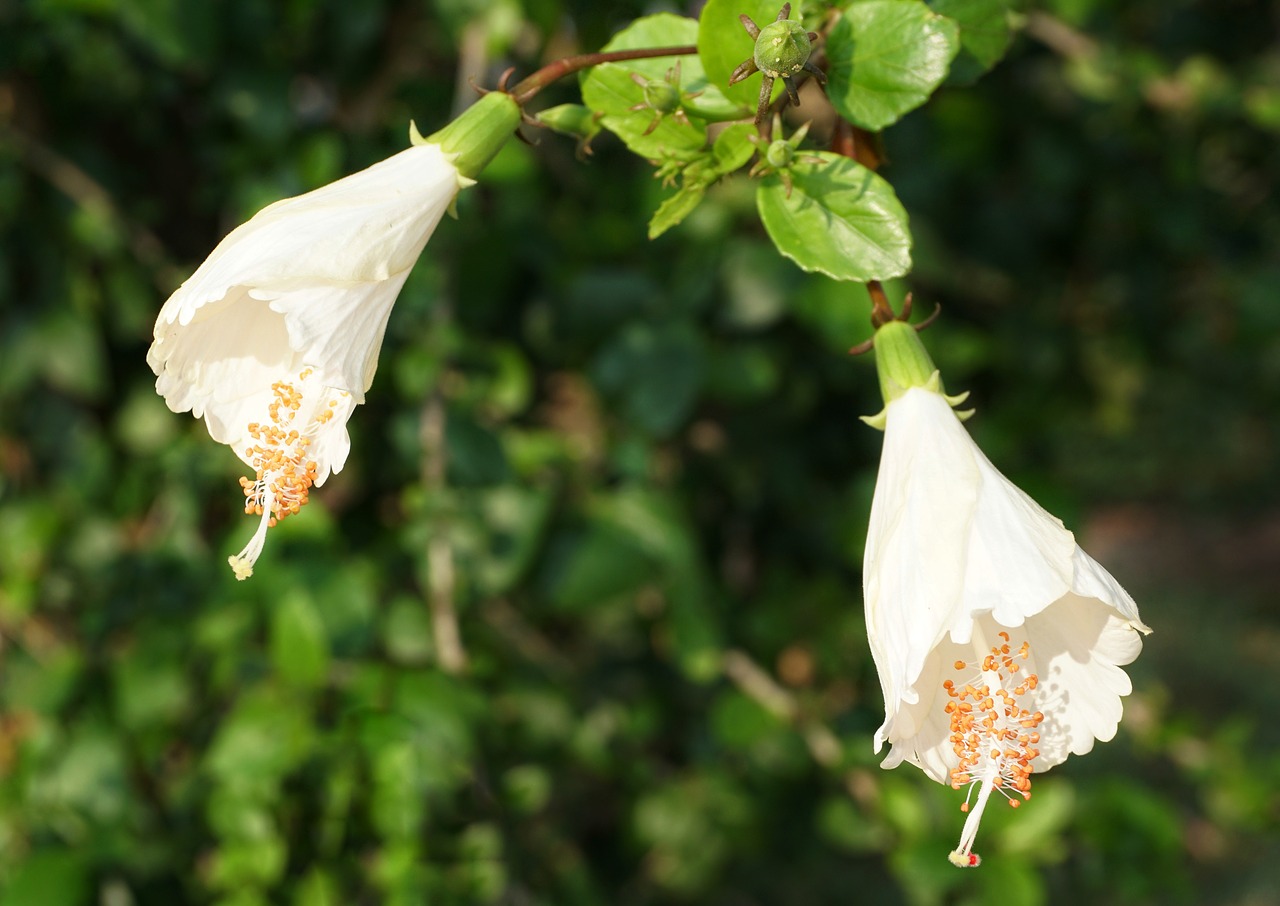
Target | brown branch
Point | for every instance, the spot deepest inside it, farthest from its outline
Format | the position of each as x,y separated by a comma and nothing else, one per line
534,83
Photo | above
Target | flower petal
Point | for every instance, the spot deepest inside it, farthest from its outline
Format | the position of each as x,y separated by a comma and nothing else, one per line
364,228
308,282
953,545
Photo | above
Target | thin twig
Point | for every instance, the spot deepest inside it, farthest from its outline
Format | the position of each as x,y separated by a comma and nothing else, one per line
756,683
440,568
530,86
1060,37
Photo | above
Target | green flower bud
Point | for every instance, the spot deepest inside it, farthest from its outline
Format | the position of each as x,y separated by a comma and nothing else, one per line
779,154
782,48
571,119
661,96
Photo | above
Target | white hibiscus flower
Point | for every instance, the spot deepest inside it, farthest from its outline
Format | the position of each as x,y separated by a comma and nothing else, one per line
998,641
274,340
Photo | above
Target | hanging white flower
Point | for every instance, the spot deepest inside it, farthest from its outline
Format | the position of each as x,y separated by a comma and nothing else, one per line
998,641
274,340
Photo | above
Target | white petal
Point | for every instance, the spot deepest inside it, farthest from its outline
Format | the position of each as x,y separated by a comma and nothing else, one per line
1078,647
952,545
364,228
307,282
913,566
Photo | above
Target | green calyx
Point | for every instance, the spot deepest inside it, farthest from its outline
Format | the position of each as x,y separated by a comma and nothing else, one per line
475,137
902,363
782,48
661,96
780,153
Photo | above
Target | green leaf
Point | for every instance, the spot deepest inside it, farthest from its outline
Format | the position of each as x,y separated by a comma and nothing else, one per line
838,219
733,148
723,43
609,90
299,646
675,209
887,57
603,564
515,519
658,526
654,373
262,739
149,689
984,34
50,878
406,632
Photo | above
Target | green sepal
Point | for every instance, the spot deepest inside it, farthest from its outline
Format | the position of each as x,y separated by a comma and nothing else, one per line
478,134
902,362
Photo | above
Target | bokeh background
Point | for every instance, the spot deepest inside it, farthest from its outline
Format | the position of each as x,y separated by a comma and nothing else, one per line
580,622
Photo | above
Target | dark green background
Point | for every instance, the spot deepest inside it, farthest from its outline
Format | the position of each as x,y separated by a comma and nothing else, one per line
657,482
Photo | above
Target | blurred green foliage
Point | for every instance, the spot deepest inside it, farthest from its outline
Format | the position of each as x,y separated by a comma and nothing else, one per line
656,483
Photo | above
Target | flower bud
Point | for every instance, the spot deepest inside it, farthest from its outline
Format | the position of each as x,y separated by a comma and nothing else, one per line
782,48
780,154
661,95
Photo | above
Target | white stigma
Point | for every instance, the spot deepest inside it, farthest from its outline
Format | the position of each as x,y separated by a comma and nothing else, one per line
242,563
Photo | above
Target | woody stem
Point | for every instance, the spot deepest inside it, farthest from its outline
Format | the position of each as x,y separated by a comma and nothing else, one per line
534,83
881,311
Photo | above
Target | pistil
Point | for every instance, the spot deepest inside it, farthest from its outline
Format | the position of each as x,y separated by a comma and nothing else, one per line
283,472
994,738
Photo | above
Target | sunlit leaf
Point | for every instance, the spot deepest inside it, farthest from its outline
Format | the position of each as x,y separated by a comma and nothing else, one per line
886,58
985,34
610,91
723,43
838,219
